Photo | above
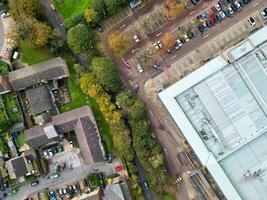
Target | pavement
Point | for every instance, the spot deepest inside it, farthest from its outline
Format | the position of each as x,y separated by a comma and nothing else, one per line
67,177
1,33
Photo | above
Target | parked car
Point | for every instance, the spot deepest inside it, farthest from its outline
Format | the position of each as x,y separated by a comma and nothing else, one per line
264,13
136,38
119,168
34,183
5,14
234,7
52,6
136,88
194,2
185,37
222,14
156,66
238,5
71,144
158,45
246,1
145,184
252,21
99,28
218,7
54,176
179,43
230,10
140,69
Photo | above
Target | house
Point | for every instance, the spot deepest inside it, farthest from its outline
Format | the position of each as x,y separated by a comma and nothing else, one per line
81,121
18,167
49,70
4,85
40,100
113,192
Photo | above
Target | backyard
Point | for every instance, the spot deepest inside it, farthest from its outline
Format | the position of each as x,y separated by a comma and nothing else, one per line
3,68
70,8
40,54
78,99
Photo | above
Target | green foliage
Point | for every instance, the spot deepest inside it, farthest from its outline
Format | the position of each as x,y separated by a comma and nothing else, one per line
105,73
57,46
81,39
3,146
44,166
30,8
3,68
138,110
125,98
74,21
20,138
90,15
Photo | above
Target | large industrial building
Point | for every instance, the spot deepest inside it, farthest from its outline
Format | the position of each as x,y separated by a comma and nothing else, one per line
221,109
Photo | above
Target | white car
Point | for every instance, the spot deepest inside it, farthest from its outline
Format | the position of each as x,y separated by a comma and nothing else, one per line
222,14
6,14
237,4
218,7
230,10
179,43
136,39
54,176
252,21
140,69
158,45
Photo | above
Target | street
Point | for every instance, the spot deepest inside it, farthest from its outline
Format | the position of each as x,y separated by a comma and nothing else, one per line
67,177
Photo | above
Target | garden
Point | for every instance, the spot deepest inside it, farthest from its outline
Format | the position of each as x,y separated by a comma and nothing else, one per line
3,68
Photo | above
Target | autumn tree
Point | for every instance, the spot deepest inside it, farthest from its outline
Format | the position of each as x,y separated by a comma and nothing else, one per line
174,9
168,40
30,8
90,15
117,42
105,73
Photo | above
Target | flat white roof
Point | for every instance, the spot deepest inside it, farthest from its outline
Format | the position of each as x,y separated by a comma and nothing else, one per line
259,37
241,50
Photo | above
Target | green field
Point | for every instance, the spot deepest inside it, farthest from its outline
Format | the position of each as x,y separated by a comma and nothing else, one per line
20,139
32,54
169,197
69,8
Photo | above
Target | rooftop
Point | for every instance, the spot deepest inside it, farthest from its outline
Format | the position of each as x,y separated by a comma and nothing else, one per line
221,109
4,85
81,121
52,69
39,99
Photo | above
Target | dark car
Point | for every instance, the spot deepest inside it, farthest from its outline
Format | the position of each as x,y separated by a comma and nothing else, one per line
183,40
234,7
85,182
156,66
34,183
108,157
218,17
136,88
99,28
246,1
194,2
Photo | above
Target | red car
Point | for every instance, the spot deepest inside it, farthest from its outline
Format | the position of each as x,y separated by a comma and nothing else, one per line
118,168
128,65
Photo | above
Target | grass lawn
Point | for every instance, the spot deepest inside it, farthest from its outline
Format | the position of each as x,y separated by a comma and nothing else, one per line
78,99
169,197
20,139
33,54
69,8
3,68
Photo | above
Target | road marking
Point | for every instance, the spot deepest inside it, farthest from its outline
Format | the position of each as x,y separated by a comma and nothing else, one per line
159,34
151,112
173,57
192,12
205,36
256,4
122,26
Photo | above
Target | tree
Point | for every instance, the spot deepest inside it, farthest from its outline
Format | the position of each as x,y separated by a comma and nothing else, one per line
174,9
74,21
105,73
30,30
168,40
30,8
100,8
117,42
90,15
125,98
81,39
138,110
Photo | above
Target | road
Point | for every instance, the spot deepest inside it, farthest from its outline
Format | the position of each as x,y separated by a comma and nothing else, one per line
57,20
1,32
159,125
67,177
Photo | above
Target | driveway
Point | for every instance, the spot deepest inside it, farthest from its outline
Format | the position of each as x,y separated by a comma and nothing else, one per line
66,178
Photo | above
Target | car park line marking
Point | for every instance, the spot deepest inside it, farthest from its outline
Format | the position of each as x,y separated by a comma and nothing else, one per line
122,26
255,4
192,12
159,34
173,57
205,36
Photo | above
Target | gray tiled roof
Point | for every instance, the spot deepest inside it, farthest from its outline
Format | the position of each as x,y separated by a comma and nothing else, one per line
4,84
39,99
82,122
55,68
19,166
